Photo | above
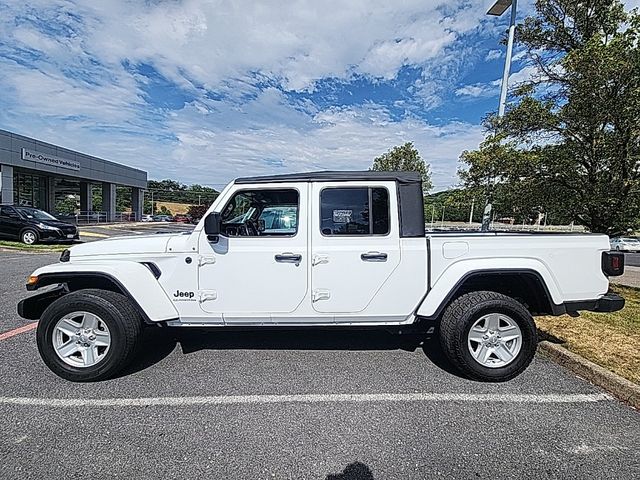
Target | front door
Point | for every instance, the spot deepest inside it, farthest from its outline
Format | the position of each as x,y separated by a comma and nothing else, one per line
355,244
258,266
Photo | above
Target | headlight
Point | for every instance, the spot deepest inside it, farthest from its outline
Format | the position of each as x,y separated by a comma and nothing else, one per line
47,227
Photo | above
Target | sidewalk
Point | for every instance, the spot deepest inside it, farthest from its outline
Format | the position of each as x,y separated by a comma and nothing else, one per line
631,277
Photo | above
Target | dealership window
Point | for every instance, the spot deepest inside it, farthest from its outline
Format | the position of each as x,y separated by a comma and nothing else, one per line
29,190
258,213
354,211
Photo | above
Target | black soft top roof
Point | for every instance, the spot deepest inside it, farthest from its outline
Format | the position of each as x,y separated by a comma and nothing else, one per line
409,184
336,176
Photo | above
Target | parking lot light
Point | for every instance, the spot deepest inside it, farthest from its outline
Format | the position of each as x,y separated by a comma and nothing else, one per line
498,9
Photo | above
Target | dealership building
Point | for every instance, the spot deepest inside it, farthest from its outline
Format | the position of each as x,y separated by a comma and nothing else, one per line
40,174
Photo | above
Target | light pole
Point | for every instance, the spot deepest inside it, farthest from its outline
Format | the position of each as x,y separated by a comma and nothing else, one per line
496,10
473,204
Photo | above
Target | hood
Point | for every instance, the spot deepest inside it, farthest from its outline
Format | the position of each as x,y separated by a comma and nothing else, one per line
52,223
137,244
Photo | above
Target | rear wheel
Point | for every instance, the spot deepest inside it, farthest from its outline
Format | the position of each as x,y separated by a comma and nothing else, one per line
29,237
488,336
88,335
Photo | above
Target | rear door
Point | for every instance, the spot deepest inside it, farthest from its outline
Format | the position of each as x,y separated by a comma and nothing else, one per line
355,243
10,222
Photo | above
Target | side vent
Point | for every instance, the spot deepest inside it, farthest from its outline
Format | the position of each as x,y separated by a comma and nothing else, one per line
153,268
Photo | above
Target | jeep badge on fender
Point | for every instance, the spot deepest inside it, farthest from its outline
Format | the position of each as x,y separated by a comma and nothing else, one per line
187,295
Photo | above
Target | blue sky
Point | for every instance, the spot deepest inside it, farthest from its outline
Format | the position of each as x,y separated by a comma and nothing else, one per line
203,91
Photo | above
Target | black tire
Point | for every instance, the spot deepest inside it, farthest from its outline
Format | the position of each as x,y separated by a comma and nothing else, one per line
28,232
115,310
459,317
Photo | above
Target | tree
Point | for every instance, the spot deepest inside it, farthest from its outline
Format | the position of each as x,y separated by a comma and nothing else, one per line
67,206
520,188
404,158
172,191
570,141
196,212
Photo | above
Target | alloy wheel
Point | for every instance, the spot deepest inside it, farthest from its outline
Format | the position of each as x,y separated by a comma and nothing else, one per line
81,339
494,340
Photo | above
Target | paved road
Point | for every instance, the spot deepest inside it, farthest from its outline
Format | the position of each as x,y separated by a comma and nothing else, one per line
632,259
90,233
275,405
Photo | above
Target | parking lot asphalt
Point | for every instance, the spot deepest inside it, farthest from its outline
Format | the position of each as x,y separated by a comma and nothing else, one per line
632,259
297,404
90,233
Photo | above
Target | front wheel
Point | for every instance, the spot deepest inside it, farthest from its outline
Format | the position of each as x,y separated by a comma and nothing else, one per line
29,237
88,335
488,336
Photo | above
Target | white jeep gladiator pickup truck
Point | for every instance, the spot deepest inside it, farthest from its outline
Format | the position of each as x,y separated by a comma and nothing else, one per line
325,249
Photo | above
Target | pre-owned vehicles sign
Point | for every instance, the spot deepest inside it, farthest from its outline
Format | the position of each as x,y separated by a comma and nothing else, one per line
48,159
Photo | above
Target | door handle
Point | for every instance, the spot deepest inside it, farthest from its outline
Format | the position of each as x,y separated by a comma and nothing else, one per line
288,257
374,257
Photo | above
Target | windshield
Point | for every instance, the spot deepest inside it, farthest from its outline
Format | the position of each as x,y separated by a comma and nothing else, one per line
630,240
34,213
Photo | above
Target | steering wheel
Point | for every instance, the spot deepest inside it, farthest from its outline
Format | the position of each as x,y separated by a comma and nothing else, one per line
250,229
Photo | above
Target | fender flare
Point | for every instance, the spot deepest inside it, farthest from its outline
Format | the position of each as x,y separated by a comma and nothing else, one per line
134,280
449,283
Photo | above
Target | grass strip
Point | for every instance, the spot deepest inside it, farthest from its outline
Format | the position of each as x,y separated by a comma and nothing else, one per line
611,340
31,248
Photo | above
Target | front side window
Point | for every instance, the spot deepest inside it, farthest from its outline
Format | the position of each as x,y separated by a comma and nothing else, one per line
354,211
256,213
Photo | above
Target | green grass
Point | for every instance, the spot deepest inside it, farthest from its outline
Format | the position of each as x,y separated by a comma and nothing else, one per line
32,248
612,340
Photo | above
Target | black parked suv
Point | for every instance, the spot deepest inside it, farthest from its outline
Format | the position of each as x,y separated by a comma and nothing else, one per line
30,225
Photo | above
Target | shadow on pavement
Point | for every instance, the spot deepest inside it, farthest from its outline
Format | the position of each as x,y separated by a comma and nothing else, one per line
353,471
158,343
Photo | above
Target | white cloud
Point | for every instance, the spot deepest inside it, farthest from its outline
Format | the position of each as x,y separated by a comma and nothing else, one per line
489,89
64,74
338,138
477,90
493,54
298,42
212,144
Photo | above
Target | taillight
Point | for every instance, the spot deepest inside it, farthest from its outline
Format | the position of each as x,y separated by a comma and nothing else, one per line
613,263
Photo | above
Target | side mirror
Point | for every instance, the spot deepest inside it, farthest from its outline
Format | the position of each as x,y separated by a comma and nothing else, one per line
212,224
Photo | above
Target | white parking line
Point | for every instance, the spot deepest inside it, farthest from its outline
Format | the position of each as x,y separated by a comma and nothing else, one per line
311,398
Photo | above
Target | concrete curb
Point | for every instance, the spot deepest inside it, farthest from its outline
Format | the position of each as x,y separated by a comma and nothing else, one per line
4,248
618,386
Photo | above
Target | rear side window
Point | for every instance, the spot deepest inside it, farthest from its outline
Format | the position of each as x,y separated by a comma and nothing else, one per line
354,211
8,212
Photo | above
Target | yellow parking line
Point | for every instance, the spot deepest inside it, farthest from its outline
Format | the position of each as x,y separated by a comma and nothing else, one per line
93,234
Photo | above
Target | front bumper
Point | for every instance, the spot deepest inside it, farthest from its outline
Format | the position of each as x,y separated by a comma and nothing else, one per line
58,235
609,302
31,308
